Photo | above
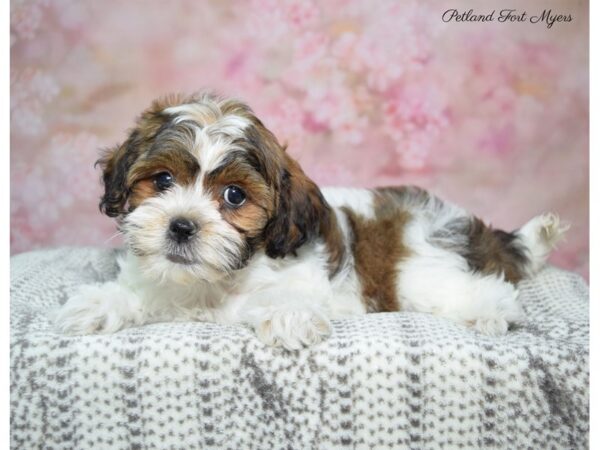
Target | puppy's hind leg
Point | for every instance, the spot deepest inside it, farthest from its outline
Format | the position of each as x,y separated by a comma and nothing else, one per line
441,283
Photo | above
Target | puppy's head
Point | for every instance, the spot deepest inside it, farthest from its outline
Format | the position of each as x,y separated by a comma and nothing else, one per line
200,185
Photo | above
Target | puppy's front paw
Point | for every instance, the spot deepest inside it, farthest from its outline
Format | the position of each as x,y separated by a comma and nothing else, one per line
95,309
293,329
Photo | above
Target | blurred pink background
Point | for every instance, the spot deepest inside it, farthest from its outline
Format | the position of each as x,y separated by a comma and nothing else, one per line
492,116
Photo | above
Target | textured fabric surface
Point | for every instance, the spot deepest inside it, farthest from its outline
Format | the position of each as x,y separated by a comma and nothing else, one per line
403,380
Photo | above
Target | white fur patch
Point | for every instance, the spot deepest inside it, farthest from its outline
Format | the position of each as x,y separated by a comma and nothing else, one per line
214,132
358,200
211,152
203,113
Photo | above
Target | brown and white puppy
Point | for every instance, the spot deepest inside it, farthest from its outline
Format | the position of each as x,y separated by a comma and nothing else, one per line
221,224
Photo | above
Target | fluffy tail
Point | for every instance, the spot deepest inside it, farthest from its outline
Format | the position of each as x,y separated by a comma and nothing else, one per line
539,236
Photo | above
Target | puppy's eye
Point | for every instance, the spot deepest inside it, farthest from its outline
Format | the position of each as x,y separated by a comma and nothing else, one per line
234,196
163,180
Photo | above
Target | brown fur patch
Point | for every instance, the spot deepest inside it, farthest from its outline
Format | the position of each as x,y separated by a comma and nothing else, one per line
302,215
303,190
334,242
141,190
251,217
178,162
493,251
378,248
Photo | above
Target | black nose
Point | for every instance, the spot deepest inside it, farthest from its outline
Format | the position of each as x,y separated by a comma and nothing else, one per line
181,229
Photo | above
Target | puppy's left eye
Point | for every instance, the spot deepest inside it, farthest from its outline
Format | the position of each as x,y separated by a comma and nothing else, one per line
234,196
163,180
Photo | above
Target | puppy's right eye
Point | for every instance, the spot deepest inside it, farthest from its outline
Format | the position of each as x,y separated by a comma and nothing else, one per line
163,180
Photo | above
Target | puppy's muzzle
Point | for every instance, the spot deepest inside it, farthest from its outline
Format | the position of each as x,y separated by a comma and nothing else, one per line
182,229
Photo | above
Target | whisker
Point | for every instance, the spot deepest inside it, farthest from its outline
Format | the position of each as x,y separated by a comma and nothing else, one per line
112,237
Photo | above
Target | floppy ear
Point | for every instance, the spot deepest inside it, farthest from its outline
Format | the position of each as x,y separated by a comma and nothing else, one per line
300,215
115,165
117,161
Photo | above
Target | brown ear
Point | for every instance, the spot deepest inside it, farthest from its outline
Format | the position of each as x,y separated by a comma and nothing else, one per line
300,214
115,164
117,161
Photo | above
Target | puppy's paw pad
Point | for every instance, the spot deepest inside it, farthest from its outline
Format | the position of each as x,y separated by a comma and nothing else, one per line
293,330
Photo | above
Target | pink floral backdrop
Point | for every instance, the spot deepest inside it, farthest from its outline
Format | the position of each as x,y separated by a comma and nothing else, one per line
492,116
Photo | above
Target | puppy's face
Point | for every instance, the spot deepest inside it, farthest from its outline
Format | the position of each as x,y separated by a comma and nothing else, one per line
200,185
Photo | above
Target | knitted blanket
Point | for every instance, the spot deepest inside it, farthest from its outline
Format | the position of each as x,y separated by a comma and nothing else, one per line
401,380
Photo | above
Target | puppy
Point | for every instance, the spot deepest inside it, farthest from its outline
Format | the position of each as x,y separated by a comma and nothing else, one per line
222,225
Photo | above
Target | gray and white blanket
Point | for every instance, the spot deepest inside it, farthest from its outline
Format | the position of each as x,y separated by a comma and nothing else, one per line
390,380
